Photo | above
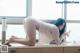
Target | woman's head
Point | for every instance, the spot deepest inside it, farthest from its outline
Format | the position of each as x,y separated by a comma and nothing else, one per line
61,24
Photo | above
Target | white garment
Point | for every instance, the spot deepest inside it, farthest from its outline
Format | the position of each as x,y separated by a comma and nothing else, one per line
48,32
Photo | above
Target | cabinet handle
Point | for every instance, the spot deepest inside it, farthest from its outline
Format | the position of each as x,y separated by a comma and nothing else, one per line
13,51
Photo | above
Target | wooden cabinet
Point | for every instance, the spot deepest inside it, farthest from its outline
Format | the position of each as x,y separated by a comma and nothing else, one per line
71,49
45,50
29,50
12,50
41,50
52,50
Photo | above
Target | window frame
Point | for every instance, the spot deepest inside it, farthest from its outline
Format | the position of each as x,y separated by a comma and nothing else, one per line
14,19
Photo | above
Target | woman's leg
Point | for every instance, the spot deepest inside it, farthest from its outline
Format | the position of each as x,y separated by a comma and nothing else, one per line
30,30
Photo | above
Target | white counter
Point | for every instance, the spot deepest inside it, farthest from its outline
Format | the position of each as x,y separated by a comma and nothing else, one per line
46,45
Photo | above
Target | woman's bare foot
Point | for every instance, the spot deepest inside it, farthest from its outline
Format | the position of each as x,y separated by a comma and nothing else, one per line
10,40
13,37
7,43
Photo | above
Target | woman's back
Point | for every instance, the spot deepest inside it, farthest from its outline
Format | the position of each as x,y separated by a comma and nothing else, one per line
47,32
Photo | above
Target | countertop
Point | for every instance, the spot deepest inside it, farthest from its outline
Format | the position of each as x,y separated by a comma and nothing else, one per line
68,44
65,44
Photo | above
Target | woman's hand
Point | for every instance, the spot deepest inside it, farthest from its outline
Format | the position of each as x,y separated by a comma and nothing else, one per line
67,33
53,42
64,35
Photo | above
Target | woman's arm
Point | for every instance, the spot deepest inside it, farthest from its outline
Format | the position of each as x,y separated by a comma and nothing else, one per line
30,31
58,39
64,35
55,33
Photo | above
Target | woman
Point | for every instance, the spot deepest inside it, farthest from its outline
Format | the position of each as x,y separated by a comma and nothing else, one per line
49,33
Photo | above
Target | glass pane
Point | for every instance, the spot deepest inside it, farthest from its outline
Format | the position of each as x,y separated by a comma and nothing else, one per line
75,30
73,11
18,31
72,0
0,31
46,9
15,30
13,8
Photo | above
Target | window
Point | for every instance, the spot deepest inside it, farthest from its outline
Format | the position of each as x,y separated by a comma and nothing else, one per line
73,12
46,9
74,34
14,11
0,32
15,30
74,21
13,8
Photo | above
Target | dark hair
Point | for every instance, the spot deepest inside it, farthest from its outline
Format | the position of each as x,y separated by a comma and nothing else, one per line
59,22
